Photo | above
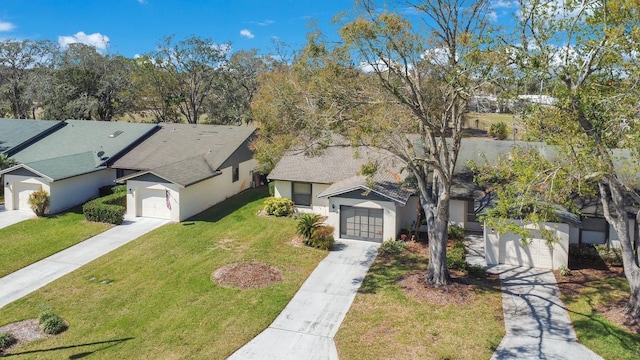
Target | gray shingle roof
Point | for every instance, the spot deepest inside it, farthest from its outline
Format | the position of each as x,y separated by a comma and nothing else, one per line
81,146
17,132
185,154
340,166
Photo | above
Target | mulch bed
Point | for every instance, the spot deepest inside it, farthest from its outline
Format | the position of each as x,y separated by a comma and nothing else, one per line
24,331
252,275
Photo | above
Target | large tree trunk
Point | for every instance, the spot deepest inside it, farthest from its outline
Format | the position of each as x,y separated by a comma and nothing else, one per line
611,195
437,218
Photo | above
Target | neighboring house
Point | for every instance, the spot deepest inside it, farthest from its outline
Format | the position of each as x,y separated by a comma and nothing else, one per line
70,162
330,185
377,210
184,169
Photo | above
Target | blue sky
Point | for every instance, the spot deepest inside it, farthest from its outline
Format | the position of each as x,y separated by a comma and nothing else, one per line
132,27
136,26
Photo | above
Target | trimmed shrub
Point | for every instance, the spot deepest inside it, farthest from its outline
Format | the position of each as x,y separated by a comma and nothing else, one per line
307,224
456,257
455,232
108,209
322,238
6,340
278,206
51,323
272,188
498,130
392,247
39,201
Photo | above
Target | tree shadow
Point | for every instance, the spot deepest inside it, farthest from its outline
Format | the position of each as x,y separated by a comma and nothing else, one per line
108,343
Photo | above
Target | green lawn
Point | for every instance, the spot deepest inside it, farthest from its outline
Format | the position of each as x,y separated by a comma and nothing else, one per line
594,331
158,300
31,240
385,323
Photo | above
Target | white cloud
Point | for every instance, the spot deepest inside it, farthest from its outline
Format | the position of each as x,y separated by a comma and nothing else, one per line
492,16
97,40
6,26
246,33
266,22
505,4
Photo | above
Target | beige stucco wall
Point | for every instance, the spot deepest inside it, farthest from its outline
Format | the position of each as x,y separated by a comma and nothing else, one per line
189,201
498,247
10,181
79,189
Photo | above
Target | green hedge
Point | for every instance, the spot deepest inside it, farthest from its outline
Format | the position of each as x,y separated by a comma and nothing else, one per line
108,209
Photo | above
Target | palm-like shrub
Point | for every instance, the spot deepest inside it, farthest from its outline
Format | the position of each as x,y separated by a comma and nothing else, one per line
307,224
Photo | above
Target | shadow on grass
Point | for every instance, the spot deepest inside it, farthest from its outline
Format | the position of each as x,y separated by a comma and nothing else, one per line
230,205
108,343
387,269
594,329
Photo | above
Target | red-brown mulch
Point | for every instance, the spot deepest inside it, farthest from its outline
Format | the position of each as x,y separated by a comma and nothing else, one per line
253,275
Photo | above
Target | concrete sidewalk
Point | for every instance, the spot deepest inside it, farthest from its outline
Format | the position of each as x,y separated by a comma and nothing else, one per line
536,321
306,327
10,217
36,275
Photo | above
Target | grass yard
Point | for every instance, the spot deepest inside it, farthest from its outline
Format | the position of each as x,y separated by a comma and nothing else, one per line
385,323
154,298
596,332
31,240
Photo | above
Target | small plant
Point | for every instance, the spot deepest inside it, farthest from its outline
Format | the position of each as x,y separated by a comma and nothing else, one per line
392,247
51,323
476,271
498,130
278,206
39,201
455,232
322,238
564,271
307,224
6,340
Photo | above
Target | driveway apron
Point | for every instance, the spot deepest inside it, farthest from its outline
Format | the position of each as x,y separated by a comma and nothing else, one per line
32,277
306,327
537,323
10,217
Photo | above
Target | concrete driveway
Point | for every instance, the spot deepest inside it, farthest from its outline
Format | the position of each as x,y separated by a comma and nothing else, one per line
306,327
536,321
10,217
36,275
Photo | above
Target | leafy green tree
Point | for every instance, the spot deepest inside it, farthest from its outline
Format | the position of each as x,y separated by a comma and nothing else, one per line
587,54
87,85
230,103
20,66
186,72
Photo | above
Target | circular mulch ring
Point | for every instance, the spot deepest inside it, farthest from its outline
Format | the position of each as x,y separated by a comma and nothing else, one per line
457,293
244,276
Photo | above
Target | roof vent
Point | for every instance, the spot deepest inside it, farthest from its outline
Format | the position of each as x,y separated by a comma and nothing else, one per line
118,132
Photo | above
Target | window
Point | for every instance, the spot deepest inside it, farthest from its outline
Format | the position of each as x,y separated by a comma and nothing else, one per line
301,194
471,213
236,174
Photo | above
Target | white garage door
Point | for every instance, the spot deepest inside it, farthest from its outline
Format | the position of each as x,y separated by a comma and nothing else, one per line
361,223
537,254
154,204
22,192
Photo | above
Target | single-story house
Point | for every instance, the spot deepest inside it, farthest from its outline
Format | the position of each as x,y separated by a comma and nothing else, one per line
70,163
184,169
377,210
